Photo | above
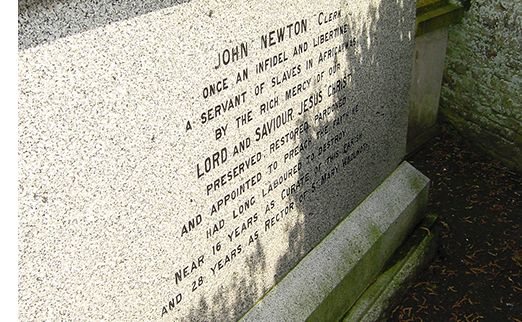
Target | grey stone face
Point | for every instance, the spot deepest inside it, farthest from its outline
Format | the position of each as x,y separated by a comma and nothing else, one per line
43,21
176,163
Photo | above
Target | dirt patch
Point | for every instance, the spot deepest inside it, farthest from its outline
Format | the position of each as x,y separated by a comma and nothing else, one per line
476,275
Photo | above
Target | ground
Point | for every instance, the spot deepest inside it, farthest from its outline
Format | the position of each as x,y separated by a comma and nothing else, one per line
477,272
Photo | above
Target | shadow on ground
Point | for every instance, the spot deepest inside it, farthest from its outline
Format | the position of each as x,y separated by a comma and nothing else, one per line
476,275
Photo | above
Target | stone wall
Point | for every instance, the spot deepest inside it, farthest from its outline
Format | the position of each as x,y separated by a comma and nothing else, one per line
483,81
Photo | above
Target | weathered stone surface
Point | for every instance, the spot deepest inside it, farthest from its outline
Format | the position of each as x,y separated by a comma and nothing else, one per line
481,90
437,14
433,18
325,284
428,66
135,204
409,260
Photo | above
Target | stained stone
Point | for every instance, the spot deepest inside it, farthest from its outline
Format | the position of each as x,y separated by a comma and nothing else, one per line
328,280
177,160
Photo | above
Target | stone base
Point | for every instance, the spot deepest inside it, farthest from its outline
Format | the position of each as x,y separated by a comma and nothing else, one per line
330,279
407,262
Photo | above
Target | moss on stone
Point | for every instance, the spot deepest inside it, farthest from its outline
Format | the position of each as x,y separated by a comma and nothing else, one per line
480,94
370,264
407,261
436,17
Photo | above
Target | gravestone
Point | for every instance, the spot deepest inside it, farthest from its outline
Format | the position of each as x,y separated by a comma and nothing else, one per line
177,160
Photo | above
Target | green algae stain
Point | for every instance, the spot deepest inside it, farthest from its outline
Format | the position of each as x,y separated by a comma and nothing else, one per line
480,94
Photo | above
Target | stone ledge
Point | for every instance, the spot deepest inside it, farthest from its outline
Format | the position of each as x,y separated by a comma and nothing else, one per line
330,279
425,5
433,15
409,260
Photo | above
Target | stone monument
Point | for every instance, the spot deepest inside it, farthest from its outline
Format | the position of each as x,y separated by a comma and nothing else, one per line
177,160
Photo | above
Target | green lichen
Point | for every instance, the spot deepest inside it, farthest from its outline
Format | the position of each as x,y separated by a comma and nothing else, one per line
482,81
416,183
351,287
437,16
367,269
409,259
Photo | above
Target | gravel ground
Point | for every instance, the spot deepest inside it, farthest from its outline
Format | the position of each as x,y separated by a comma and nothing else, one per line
476,275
